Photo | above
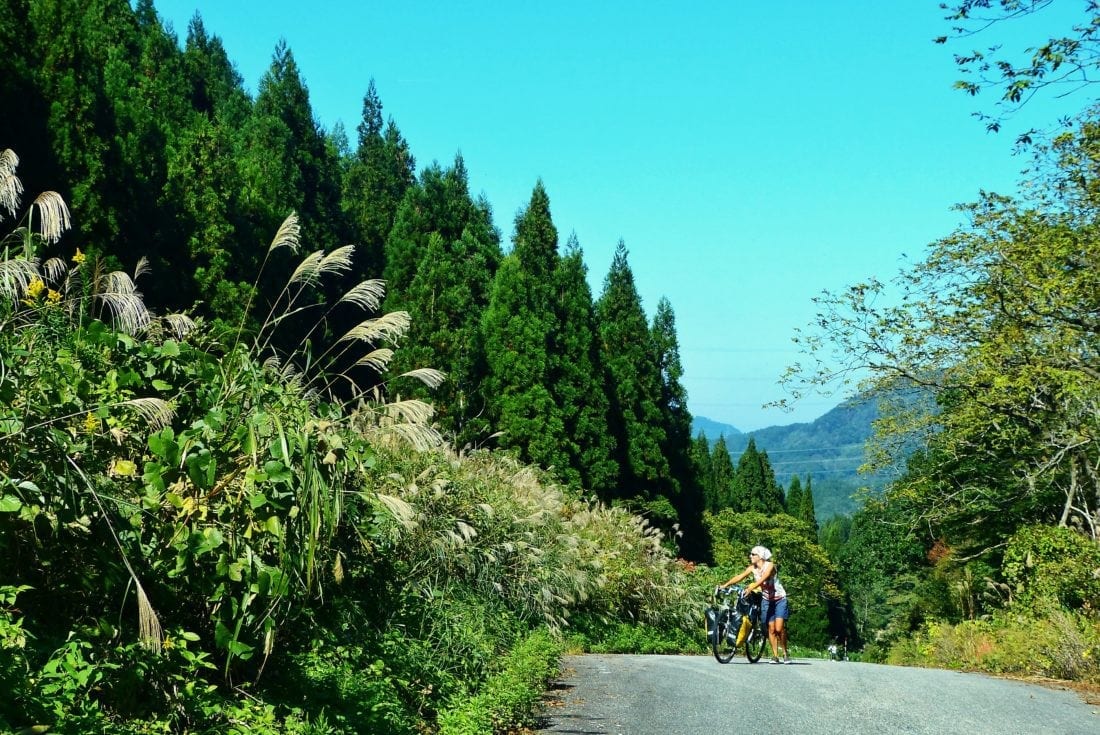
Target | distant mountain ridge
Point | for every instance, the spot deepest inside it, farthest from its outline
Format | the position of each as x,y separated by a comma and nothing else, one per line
829,450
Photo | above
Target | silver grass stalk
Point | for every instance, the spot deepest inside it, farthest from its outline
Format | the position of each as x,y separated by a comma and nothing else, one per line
428,376
15,275
180,324
11,188
288,234
367,295
142,268
389,326
378,360
149,630
54,216
465,530
124,302
308,273
410,411
287,372
338,261
156,412
421,438
309,270
402,512
55,269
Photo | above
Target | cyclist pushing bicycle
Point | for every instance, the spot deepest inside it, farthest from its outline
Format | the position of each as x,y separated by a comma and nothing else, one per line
774,610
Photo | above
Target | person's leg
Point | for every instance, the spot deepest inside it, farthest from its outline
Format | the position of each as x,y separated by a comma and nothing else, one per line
767,613
781,615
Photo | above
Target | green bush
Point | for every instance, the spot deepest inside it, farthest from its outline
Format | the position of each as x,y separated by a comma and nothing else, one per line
1058,644
509,697
357,693
1052,564
592,635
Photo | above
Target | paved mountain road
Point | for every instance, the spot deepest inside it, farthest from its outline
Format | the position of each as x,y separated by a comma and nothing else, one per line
693,695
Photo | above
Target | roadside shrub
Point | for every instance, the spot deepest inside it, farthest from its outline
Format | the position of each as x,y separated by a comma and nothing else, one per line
510,696
1059,645
357,691
1053,564
16,706
588,634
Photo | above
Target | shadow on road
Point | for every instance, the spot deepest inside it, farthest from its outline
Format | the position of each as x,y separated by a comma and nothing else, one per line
572,724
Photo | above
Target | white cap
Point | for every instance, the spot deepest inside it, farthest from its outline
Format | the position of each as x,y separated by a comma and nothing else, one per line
762,552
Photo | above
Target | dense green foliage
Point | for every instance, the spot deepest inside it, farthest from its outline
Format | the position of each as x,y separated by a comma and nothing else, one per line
163,155
186,518
997,324
229,507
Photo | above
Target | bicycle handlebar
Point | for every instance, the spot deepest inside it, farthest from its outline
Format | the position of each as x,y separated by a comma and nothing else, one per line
721,591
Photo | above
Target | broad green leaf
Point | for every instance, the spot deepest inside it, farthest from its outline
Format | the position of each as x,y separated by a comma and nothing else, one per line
277,472
240,650
212,539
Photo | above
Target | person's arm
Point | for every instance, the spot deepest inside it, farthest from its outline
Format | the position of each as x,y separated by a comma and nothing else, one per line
739,577
765,572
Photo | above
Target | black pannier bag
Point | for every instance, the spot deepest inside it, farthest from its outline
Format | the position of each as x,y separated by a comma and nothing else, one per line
735,618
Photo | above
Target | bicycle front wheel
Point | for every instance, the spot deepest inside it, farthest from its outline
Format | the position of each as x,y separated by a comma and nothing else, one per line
756,641
723,649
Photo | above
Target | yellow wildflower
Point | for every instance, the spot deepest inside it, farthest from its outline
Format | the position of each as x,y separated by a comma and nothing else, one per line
79,257
53,296
91,423
35,287
168,643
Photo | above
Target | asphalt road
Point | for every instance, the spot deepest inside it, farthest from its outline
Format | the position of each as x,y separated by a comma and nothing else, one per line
693,695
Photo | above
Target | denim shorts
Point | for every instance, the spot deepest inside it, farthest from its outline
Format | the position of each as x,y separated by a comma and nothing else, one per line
774,609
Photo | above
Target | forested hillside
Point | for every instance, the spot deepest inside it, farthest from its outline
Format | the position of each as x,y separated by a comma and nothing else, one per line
161,154
827,452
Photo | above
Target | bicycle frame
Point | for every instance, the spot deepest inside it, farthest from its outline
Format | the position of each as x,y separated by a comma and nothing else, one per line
745,615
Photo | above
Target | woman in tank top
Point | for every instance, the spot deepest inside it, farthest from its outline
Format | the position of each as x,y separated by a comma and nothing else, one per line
773,608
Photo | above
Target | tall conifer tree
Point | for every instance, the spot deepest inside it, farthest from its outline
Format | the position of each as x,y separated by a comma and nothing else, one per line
205,181
442,255
289,164
806,508
84,38
517,334
793,501
216,88
631,361
439,202
723,475
704,470
23,125
755,488
379,173
578,380
684,488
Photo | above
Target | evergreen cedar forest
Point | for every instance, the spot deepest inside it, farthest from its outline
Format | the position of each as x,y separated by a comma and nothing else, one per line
254,479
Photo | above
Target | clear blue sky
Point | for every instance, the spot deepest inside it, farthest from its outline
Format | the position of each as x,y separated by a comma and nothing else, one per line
750,155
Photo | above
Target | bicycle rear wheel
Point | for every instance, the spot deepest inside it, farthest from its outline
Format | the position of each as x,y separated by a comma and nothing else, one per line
756,641
720,644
